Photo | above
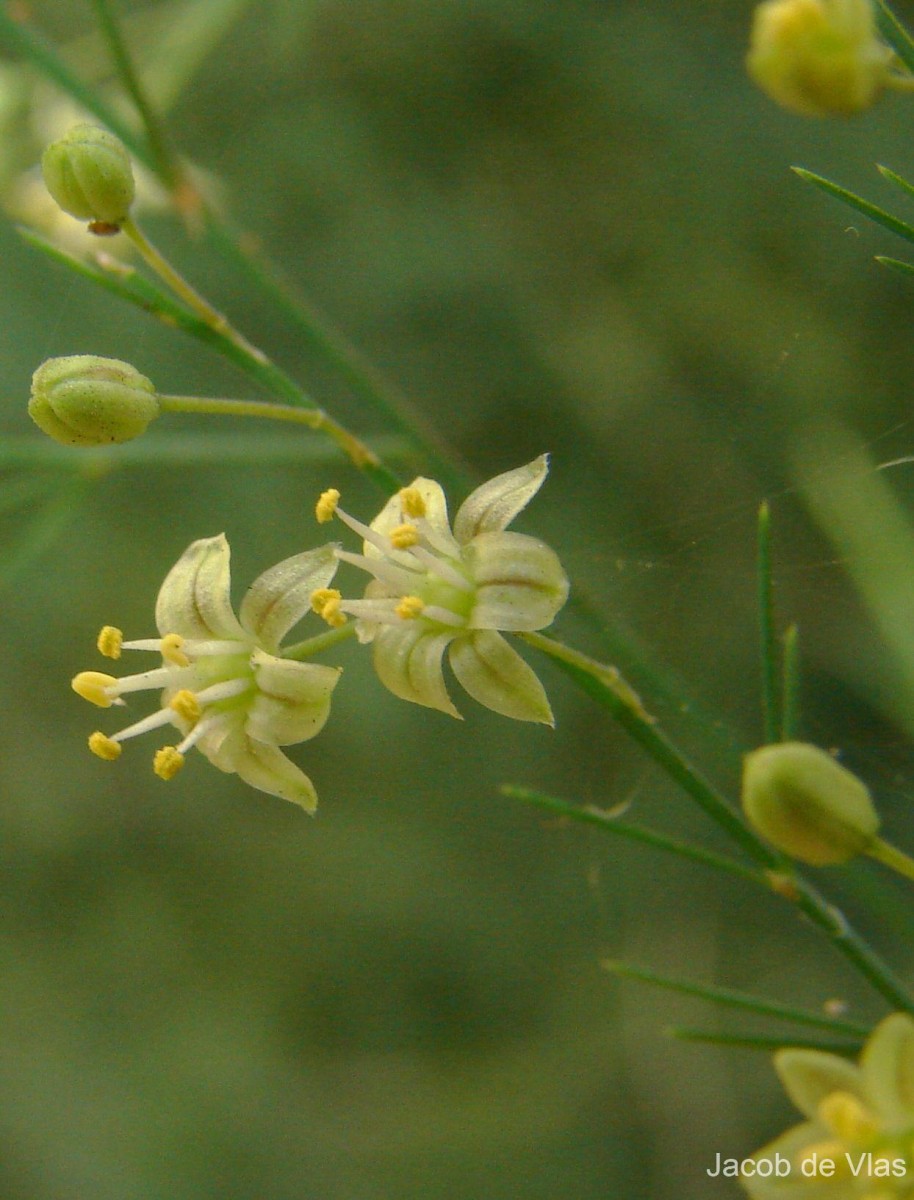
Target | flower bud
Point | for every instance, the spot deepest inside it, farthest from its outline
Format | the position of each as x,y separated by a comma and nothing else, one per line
807,805
83,400
88,172
818,57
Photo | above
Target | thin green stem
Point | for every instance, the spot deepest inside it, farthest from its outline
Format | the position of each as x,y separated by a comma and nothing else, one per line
605,685
890,856
895,34
769,1044
591,815
155,131
732,998
768,639
320,642
259,365
790,702
313,418
265,409
32,46
186,292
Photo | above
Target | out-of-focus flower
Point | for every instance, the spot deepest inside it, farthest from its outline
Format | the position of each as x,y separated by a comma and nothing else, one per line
819,57
435,590
224,682
856,1143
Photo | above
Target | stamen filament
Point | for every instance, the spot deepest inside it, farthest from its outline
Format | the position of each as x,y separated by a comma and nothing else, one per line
159,677
442,568
162,716
399,578
224,691
443,616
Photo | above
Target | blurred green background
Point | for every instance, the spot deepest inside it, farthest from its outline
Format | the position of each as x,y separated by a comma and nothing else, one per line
554,226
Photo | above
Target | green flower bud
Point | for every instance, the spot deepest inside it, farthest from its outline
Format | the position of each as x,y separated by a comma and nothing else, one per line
808,805
88,172
83,400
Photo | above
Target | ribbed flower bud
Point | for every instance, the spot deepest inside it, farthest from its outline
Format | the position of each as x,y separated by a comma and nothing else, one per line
818,57
84,400
807,805
88,172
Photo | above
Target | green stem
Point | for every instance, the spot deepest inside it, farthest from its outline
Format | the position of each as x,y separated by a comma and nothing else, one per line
155,132
768,1044
895,34
320,642
890,856
591,815
768,646
608,687
736,999
605,685
790,702
191,297
313,418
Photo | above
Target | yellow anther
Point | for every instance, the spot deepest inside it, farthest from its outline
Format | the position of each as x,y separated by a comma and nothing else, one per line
844,1116
167,762
321,596
326,603
404,536
410,607
104,747
110,641
93,686
172,651
186,705
412,502
326,506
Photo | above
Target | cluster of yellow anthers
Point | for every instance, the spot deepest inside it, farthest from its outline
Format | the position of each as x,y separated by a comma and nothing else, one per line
857,1142
435,589
232,691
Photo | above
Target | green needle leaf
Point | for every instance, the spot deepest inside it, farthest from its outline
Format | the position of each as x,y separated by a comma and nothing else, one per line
770,1044
872,211
731,998
895,34
609,823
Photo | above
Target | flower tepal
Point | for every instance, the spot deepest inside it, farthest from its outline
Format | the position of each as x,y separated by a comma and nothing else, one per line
224,683
435,589
855,1143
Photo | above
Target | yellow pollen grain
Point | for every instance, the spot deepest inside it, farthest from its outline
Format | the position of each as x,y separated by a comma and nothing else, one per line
167,762
110,641
104,747
412,502
172,650
410,607
404,536
326,506
186,705
92,686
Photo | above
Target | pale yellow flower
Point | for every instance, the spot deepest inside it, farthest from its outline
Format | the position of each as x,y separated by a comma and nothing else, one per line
434,589
857,1142
224,683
